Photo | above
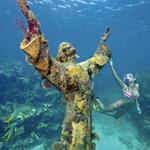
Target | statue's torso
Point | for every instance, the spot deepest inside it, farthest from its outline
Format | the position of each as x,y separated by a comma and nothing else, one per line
76,86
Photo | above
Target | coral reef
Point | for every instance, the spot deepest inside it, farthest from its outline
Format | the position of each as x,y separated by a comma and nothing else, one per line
29,113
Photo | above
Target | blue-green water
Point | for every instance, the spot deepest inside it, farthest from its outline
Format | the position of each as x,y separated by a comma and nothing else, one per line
81,22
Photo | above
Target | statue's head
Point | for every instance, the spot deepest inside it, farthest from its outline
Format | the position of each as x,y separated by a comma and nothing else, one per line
66,52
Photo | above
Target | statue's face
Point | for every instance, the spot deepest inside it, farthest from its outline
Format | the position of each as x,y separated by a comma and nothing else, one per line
66,52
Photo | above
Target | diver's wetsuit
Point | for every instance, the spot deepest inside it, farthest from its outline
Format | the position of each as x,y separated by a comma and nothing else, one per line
73,80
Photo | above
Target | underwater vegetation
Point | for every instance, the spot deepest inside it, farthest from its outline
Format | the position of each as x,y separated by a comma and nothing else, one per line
29,113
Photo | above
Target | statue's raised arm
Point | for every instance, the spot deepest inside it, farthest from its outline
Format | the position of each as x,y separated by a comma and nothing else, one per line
36,47
33,25
100,57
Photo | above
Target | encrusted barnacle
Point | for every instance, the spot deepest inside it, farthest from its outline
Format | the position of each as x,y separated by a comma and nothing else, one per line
77,97
82,104
80,130
99,59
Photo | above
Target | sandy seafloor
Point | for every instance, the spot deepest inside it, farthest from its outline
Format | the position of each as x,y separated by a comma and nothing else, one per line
121,134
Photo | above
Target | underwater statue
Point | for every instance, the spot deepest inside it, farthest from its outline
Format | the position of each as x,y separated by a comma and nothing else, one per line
69,77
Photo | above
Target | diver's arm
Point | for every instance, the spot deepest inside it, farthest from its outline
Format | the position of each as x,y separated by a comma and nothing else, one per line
116,75
100,57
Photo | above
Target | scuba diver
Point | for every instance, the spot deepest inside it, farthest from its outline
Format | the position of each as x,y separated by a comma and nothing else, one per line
130,95
71,78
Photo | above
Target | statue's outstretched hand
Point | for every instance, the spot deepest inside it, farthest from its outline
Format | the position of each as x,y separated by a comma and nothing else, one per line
23,6
105,36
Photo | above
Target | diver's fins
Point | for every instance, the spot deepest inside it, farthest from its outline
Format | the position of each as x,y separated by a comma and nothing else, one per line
97,105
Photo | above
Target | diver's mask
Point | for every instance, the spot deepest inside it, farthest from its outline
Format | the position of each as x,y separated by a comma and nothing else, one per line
129,77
